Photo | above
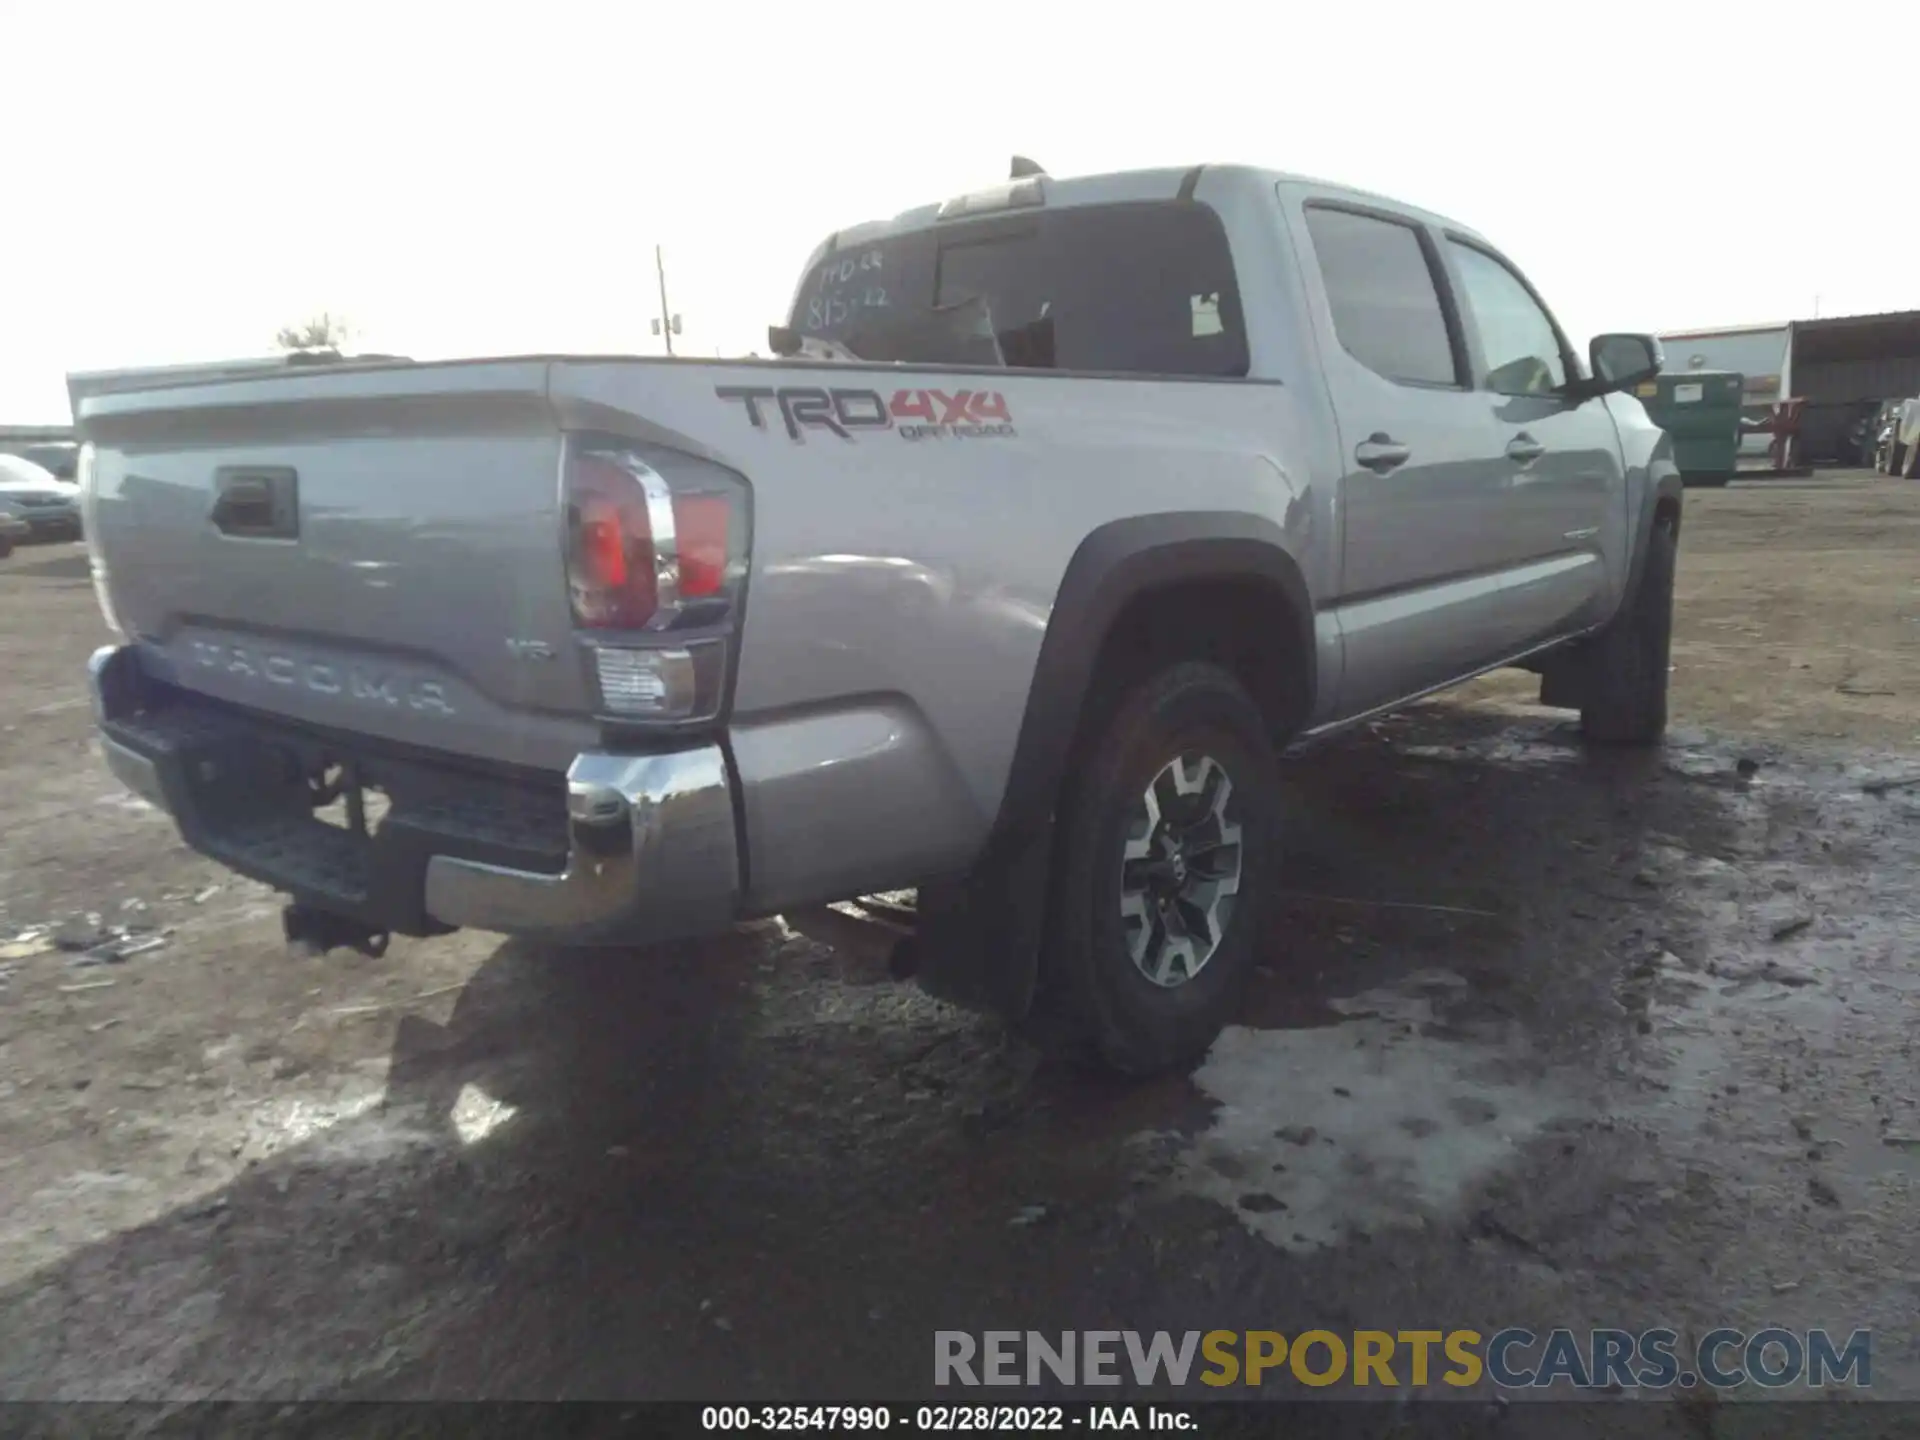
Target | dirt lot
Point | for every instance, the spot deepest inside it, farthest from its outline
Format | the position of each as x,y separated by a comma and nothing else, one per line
1541,1040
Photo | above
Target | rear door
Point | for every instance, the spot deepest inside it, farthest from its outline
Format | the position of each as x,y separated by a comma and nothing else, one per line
1423,489
1565,512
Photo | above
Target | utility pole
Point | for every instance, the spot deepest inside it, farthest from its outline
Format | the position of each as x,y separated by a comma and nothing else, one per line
668,322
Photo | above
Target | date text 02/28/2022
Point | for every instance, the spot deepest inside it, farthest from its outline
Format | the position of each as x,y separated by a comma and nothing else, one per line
939,1419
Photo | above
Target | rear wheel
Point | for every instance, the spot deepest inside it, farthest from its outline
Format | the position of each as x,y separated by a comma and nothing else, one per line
1627,684
1171,821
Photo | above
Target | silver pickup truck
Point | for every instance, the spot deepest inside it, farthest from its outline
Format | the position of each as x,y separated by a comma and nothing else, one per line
1069,506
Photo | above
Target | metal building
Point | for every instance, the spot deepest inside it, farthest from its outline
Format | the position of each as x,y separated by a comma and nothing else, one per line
1842,367
1857,357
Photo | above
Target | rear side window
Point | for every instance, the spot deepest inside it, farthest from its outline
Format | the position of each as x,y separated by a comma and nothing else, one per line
1144,289
1386,307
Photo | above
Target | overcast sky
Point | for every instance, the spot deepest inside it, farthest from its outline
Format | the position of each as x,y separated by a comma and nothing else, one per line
181,179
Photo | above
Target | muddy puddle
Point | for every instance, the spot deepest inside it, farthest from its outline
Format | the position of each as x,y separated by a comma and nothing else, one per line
1660,1018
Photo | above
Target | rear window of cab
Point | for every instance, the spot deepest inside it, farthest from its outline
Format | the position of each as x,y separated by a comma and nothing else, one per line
1137,289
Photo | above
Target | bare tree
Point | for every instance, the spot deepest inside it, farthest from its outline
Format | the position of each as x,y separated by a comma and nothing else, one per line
325,331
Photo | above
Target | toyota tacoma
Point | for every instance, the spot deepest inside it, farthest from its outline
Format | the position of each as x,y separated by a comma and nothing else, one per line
1063,510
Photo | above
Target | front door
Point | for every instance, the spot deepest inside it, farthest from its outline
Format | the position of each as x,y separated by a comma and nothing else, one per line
1566,507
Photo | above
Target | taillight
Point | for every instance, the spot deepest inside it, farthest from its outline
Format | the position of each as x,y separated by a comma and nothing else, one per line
612,569
655,571
700,525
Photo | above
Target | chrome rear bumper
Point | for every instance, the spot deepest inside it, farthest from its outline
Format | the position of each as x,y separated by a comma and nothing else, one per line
650,844
652,854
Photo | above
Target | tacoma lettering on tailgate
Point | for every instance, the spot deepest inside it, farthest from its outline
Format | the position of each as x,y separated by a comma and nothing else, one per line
351,682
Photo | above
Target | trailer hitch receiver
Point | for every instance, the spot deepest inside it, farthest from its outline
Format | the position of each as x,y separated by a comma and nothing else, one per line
317,931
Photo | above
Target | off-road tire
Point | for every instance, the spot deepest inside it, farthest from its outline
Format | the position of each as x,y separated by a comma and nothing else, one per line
1095,1003
1627,681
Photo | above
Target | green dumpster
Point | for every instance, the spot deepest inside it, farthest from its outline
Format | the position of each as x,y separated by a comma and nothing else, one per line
1700,410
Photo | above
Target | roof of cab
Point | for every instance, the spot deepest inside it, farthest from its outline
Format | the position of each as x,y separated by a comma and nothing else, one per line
1117,187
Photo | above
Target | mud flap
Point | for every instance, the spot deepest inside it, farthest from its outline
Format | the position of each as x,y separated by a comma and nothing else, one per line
1566,680
978,939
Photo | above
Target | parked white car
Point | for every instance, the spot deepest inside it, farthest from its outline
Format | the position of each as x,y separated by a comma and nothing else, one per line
49,507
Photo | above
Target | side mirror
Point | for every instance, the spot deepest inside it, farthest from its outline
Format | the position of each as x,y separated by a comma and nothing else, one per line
1620,362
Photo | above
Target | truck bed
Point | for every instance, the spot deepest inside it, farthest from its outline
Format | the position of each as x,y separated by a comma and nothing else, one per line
911,529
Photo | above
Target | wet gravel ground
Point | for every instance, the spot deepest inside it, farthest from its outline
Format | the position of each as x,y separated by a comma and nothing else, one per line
1541,1038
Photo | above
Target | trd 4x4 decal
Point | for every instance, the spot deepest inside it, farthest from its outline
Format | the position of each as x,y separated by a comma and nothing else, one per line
914,414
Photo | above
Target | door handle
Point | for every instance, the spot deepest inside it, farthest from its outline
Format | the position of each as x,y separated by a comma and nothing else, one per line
1523,449
1380,452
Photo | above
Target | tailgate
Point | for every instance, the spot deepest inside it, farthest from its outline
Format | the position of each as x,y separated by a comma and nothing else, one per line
376,550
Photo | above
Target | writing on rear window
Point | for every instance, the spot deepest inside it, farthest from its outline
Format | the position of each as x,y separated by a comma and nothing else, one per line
845,288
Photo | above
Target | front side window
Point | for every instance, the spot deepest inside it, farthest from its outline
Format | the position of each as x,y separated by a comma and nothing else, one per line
1521,349
1143,289
1386,307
